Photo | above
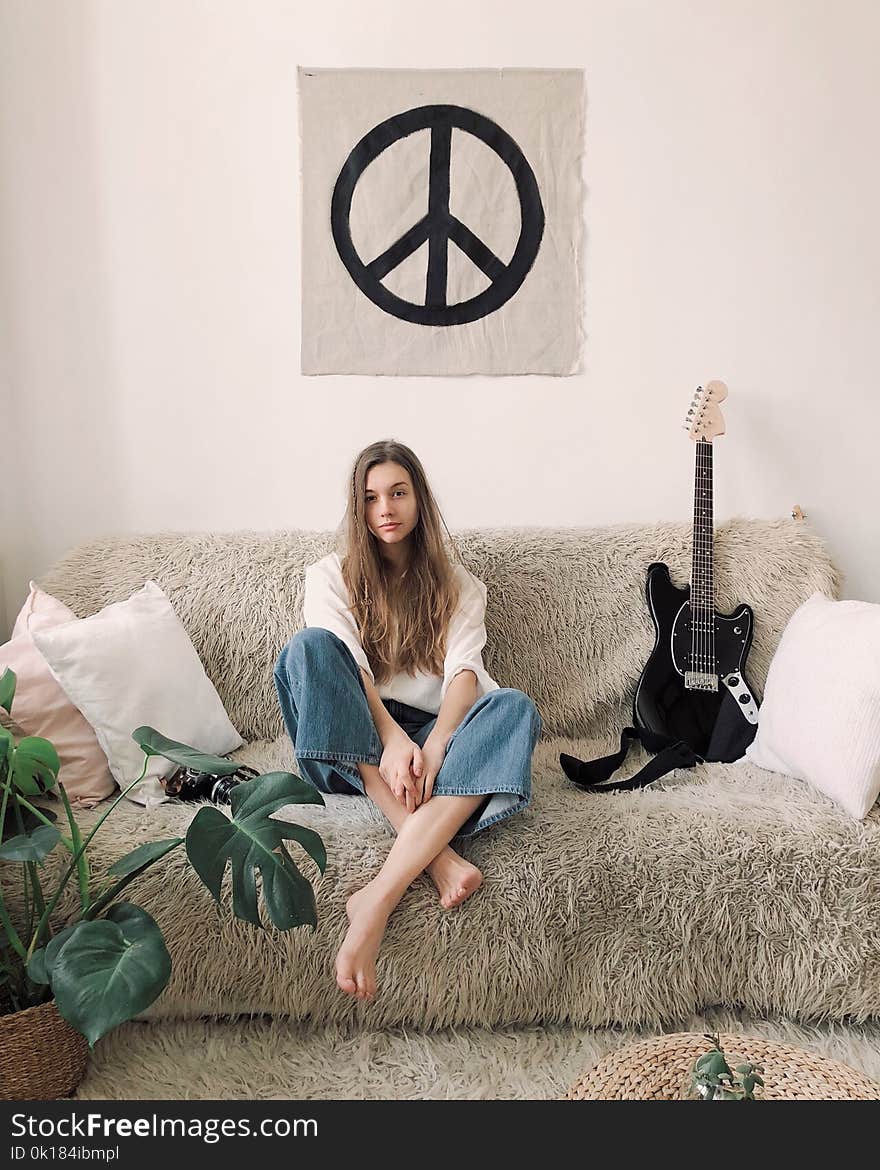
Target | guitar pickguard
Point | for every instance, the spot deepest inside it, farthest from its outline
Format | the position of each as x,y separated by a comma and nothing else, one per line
732,635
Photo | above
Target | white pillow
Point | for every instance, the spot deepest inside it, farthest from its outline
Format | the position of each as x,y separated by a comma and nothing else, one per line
820,719
134,664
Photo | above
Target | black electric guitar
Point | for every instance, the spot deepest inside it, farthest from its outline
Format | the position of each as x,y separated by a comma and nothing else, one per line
693,701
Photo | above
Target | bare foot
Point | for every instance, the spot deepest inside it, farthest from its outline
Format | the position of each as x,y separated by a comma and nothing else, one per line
455,878
356,961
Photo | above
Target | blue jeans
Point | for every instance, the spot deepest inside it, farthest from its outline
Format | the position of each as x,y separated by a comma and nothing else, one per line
329,722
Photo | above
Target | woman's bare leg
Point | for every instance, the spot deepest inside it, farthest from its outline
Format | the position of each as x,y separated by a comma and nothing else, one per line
455,878
420,838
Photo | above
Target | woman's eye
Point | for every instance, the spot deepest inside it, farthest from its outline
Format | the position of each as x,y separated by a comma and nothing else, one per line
400,492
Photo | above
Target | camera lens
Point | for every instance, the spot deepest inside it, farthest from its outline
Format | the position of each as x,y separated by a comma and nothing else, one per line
221,792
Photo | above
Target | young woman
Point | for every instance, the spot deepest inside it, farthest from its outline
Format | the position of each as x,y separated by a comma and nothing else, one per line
384,694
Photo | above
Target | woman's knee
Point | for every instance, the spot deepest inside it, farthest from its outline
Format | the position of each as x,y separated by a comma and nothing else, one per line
308,645
518,706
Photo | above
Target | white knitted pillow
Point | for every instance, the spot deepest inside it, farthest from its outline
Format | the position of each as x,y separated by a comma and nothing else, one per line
820,718
133,664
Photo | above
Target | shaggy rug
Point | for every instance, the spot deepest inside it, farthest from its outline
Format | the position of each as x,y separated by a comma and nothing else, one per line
271,1059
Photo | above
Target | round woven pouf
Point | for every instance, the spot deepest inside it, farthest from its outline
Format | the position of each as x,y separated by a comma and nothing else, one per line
658,1070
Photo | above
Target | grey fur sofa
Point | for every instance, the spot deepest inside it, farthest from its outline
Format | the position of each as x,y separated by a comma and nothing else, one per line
724,885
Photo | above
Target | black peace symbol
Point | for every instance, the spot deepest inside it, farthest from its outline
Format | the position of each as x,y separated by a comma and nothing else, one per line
439,225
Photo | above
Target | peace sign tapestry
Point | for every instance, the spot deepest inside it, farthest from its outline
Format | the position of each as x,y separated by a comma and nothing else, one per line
442,217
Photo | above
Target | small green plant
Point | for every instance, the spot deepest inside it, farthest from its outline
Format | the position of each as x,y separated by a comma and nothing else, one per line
109,962
713,1080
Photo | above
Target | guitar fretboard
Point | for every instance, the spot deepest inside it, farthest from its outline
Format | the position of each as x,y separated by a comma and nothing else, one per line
702,577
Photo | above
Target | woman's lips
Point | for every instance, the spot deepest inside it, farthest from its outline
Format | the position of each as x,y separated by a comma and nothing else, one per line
395,525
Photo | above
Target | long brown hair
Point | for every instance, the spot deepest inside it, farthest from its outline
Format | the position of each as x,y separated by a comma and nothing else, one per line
403,623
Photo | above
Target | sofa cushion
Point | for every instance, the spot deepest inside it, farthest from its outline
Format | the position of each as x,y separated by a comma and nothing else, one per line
820,720
566,618
132,664
41,707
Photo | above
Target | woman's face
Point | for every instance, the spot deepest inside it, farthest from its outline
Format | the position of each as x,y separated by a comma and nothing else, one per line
390,505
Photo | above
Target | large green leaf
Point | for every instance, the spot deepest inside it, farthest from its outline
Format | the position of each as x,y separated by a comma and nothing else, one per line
109,970
35,766
7,690
252,841
30,846
153,743
7,743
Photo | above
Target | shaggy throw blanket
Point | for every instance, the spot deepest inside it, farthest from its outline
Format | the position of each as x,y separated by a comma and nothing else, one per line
724,885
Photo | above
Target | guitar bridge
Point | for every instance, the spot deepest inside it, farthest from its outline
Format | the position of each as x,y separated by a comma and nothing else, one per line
695,680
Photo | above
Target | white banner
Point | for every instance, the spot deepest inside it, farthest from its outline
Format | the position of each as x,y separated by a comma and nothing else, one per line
442,216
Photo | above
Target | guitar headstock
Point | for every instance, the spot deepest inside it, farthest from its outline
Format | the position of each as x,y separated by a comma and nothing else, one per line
704,419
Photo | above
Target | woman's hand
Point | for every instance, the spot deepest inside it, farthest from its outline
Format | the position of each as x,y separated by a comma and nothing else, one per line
433,755
400,760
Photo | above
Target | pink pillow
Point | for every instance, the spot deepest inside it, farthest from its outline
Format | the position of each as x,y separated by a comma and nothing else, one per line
41,707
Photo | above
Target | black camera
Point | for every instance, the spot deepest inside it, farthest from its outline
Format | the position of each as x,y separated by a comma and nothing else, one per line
191,784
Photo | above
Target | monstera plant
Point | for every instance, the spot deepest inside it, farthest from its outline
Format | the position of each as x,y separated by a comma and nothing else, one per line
108,961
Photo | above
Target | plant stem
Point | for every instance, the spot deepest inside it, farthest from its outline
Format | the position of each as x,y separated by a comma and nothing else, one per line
6,790
5,920
107,896
82,864
11,932
28,873
41,925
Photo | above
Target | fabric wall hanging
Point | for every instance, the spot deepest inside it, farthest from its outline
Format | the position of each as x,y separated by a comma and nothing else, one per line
442,217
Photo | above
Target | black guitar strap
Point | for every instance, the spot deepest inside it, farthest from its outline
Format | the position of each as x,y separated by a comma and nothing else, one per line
590,775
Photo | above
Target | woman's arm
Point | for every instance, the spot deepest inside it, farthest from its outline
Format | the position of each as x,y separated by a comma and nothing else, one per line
400,756
461,694
466,636
386,724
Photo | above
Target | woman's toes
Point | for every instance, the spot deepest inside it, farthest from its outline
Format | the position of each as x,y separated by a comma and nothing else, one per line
347,985
454,898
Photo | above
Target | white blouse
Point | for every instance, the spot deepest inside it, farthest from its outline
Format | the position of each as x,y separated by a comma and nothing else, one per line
327,606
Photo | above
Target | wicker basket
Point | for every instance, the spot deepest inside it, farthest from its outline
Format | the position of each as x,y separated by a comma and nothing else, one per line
42,1057
659,1070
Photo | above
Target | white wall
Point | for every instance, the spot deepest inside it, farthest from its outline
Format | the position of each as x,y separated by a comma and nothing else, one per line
149,273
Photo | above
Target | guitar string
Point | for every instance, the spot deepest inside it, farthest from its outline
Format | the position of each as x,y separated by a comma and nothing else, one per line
698,583
695,640
704,609
707,536
702,600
